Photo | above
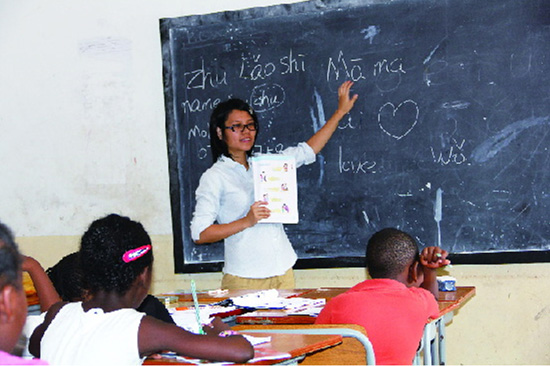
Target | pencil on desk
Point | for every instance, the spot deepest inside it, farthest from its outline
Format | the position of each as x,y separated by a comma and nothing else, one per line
196,302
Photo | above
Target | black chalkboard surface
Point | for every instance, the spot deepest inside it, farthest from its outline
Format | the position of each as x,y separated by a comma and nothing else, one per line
449,139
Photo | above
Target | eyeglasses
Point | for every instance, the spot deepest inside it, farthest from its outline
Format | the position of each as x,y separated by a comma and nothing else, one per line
239,127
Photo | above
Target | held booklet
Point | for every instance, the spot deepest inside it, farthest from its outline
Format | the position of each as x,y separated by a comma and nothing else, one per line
275,183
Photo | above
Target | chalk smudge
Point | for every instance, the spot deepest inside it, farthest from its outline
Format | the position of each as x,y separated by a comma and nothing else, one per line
489,148
318,122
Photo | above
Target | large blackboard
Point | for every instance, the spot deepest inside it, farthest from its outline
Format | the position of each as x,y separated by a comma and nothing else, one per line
449,139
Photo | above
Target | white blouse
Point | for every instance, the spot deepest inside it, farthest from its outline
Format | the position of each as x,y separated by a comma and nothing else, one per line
225,194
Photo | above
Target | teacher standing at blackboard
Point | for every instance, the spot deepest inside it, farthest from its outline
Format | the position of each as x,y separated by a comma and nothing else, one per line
257,256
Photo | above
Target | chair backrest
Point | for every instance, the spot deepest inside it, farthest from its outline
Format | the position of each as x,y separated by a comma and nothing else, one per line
355,349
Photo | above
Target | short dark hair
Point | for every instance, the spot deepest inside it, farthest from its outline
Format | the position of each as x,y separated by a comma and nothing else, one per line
10,259
66,277
102,248
389,252
217,119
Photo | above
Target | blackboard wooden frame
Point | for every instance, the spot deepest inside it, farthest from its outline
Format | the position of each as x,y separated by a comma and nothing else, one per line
529,23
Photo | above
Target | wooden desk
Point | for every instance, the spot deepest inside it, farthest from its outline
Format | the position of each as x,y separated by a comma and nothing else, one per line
350,352
280,317
209,297
448,302
323,292
433,349
297,345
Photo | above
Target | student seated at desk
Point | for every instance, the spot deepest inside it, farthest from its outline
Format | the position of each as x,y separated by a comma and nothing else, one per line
396,303
13,301
116,261
63,282
67,279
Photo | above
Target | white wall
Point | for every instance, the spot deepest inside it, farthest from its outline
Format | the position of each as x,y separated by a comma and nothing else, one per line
82,111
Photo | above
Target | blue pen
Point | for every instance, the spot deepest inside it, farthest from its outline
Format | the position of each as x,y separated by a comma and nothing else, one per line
196,302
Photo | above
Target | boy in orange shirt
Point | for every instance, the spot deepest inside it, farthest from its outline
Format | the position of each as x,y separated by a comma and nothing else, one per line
396,303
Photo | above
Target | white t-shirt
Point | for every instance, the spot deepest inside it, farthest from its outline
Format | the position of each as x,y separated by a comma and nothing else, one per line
225,194
75,337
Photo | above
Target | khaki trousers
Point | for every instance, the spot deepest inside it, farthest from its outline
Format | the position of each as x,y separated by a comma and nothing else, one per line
285,281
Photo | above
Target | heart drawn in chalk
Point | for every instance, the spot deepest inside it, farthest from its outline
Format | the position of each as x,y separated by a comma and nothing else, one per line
399,121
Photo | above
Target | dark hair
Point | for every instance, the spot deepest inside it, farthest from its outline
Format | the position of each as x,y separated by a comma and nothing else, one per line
102,248
67,277
218,117
10,259
389,252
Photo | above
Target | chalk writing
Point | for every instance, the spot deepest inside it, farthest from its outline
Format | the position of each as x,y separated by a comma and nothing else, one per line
399,121
394,66
353,71
196,105
454,155
292,63
201,78
197,132
253,68
202,153
355,167
388,74
266,97
262,149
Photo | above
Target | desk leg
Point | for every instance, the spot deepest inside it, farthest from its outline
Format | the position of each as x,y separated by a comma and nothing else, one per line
432,348
441,341
442,337
427,339
435,343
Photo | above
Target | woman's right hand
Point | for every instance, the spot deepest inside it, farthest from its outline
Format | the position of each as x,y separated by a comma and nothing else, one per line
217,232
257,212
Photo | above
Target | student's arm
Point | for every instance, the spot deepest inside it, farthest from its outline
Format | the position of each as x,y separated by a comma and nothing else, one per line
431,259
155,336
345,104
217,232
44,288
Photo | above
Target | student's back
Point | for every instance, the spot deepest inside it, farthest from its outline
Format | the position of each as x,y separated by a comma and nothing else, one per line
94,337
395,305
392,314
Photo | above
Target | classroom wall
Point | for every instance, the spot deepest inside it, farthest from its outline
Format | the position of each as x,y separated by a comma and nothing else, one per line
82,134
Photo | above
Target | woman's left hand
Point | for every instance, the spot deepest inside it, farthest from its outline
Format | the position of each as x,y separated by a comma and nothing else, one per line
345,103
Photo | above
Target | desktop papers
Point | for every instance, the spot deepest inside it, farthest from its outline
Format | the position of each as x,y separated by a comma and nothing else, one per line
275,183
269,299
262,352
187,319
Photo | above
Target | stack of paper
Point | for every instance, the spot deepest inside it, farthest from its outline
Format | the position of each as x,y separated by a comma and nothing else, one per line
269,299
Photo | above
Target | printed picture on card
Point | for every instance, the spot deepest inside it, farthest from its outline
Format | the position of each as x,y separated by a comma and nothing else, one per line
275,183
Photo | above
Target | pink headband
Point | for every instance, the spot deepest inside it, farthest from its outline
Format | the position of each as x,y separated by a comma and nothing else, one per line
136,253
